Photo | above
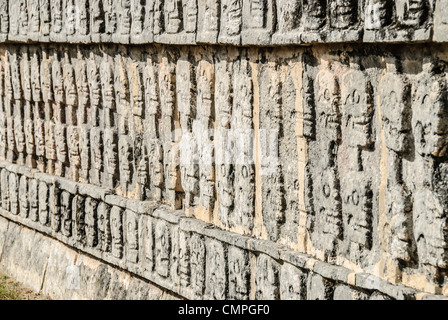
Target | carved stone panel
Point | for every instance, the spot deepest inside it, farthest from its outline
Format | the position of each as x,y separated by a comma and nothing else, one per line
34,199
198,255
239,274
132,236
208,21
24,197
231,22
163,243
13,185
44,214
267,278
116,226
66,203
185,258
258,22
216,270
293,283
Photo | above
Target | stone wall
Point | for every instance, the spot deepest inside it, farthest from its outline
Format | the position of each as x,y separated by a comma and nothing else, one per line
216,163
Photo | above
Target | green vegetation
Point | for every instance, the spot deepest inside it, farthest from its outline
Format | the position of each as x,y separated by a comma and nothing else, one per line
12,290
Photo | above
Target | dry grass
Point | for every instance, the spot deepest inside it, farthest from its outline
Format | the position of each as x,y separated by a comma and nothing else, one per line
13,290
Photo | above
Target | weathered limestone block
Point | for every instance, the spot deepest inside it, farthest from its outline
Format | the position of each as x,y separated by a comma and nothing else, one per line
208,21
163,245
402,20
429,125
58,13
133,236
327,214
231,22
175,21
356,185
267,278
198,258
258,22
216,273
343,292
24,197
242,121
292,283
289,17
273,197
116,222
43,196
396,114
4,20
239,273
13,186
301,160
320,288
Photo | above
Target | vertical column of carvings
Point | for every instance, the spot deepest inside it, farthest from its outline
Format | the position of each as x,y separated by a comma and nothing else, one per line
75,95
306,134
167,84
125,141
136,120
209,16
44,20
18,20
4,20
429,124
104,91
189,152
441,20
289,15
122,11
204,132
339,148
18,118
59,115
47,95
394,98
195,97
292,148
38,109
152,129
326,220
225,164
58,15
78,155
9,107
356,181
3,133
28,109
270,132
243,124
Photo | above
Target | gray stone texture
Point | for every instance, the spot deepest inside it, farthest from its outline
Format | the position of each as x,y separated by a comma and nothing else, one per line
234,22
244,170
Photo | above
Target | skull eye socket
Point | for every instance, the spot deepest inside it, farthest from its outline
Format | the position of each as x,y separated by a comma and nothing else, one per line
245,172
356,96
326,190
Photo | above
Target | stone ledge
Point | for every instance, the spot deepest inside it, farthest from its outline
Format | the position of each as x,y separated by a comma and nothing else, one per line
177,267
236,23
49,266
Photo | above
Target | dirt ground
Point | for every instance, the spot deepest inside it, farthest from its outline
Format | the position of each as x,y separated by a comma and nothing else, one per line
13,290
